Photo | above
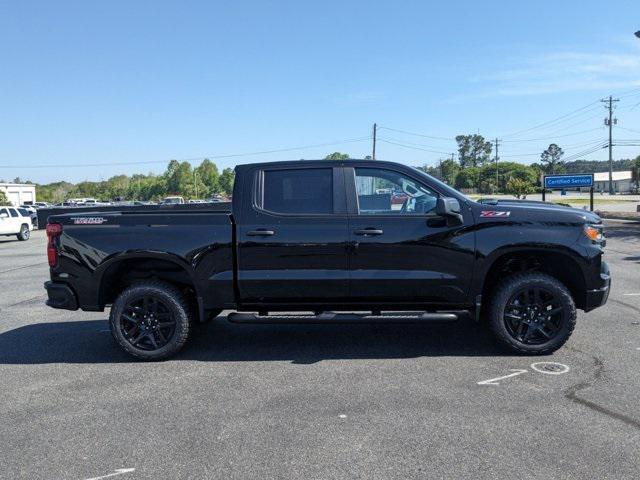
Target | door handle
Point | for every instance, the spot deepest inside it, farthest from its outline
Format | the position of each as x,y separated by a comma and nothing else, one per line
369,231
261,233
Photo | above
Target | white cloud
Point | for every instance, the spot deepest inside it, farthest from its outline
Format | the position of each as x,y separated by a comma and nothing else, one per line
563,71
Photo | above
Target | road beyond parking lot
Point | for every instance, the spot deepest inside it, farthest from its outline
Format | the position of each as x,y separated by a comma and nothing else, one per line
339,401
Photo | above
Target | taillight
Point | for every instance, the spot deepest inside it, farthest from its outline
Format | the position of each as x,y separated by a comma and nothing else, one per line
53,230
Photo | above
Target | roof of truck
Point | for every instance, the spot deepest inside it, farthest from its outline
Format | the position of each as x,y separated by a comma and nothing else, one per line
304,162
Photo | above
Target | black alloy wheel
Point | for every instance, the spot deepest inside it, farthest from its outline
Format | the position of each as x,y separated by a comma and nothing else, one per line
534,315
151,320
531,313
147,323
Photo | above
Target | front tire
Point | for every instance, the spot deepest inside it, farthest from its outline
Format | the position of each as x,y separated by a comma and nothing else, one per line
150,320
532,313
24,233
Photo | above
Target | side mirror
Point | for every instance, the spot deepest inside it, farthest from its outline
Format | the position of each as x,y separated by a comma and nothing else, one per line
4,215
449,207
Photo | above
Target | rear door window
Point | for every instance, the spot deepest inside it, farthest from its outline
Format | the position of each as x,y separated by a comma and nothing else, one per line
298,191
13,212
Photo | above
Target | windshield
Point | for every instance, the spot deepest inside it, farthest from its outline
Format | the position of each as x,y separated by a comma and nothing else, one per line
443,186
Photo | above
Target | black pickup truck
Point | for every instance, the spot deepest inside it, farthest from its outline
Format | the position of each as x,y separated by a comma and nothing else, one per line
327,238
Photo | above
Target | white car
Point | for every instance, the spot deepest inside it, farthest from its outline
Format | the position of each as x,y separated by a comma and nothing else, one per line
174,200
12,222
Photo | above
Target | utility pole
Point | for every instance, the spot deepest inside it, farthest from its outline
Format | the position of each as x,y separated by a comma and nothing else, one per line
609,122
195,182
375,131
497,157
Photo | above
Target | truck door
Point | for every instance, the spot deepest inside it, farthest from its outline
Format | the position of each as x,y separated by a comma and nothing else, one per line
16,220
292,235
402,251
5,221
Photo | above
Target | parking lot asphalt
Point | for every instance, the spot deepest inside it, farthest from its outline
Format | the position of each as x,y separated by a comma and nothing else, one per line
316,402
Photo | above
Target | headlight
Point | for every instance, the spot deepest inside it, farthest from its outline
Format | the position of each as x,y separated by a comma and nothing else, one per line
594,233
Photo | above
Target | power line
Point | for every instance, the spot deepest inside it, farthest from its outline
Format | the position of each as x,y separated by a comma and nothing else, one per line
412,147
535,127
404,142
628,129
210,157
588,151
596,143
554,137
452,139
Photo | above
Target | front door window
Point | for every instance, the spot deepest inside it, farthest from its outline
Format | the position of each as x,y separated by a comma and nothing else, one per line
386,192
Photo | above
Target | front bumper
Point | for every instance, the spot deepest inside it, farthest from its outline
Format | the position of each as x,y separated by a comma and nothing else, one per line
60,296
598,297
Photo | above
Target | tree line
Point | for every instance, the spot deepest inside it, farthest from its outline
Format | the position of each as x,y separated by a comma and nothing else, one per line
475,169
180,178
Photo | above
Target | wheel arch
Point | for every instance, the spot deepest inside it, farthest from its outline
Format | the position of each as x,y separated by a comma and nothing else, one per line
119,272
562,264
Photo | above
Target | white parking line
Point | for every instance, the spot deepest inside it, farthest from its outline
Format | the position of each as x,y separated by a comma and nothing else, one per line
118,471
494,381
631,294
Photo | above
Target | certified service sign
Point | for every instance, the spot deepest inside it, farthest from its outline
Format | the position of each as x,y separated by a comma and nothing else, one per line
568,181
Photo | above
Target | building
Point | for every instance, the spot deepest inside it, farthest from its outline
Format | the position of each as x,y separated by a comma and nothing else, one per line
622,182
19,193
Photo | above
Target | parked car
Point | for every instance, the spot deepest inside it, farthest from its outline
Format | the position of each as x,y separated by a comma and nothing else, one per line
29,208
13,222
31,213
173,200
303,236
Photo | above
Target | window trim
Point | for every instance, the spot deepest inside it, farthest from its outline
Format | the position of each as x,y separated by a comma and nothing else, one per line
352,195
339,201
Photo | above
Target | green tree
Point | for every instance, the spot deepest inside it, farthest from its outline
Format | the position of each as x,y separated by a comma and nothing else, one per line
226,181
337,156
551,157
473,150
179,177
208,174
449,170
3,199
468,178
519,188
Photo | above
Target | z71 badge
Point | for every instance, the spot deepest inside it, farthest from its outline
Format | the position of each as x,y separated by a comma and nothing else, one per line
88,220
495,213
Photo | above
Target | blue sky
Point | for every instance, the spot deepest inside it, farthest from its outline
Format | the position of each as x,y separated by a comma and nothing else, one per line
88,88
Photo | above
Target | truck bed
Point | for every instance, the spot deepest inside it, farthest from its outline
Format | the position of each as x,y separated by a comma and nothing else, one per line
45,213
101,247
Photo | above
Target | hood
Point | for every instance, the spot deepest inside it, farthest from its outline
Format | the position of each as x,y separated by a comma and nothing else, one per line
537,210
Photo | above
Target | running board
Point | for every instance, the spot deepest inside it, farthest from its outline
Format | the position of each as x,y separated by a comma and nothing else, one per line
331,317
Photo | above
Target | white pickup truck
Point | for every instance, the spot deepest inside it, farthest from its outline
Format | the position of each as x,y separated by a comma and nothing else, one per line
15,221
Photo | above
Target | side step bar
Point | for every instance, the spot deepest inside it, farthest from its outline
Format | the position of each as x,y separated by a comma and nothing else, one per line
331,317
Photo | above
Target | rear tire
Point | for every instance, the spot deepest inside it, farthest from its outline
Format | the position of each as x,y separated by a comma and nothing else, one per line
150,320
532,313
24,233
